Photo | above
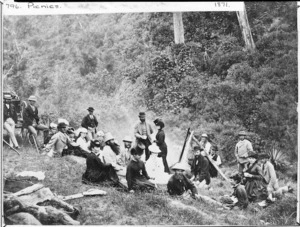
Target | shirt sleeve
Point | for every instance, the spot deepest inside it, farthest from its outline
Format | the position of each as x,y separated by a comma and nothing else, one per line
52,142
249,146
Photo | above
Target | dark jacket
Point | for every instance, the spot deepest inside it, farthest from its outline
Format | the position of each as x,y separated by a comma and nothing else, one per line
160,141
241,194
88,122
200,165
97,171
10,113
137,176
178,187
29,116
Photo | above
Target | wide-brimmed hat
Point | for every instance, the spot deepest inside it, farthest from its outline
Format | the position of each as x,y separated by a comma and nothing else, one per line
108,136
127,139
263,155
7,97
100,133
154,148
252,155
80,130
32,98
242,133
204,135
62,125
180,166
90,109
61,120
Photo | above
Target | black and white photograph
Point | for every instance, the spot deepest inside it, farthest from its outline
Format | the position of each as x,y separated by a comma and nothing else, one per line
149,113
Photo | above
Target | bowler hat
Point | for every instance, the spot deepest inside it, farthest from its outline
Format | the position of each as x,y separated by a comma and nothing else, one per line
179,166
90,109
142,114
108,136
263,155
32,98
242,133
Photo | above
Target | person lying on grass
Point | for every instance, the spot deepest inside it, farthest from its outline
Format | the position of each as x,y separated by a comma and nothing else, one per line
238,199
179,184
136,174
97,171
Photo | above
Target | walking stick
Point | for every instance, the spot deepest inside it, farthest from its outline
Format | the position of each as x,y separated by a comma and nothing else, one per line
187,135
212,161
35,144
11,147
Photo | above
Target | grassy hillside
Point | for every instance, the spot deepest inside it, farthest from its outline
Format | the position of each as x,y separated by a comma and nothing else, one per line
63,177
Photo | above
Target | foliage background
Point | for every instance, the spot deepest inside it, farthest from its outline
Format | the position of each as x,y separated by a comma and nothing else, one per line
124,63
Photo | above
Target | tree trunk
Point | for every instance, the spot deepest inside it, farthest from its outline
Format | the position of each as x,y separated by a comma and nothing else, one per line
178,28
245,28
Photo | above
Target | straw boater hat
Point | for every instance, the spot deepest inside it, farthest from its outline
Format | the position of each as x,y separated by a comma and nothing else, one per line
127,139
154,148
61,120
108,136
7,97
179,166
32,98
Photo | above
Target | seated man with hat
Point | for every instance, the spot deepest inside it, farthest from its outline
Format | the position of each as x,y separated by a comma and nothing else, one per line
58,142
90,123
10,119
179,184
110,153
31,118
100,137
238,199
242,149
142,133
124,157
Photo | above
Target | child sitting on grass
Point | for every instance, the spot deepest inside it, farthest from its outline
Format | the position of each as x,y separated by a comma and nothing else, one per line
239,198
136,174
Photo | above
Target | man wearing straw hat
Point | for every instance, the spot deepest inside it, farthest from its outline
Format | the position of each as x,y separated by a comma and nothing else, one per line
142,133
242,149
10,118
179,184
125,156
90,123
31,118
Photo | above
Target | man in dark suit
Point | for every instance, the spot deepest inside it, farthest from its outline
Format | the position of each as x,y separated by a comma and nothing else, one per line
90,123
31,118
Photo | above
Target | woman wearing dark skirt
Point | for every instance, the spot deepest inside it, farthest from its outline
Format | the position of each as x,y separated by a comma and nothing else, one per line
96,170
136,174
254,182
160,141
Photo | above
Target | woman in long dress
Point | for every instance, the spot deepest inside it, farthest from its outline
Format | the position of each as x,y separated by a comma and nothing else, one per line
160,141
254,182
97,171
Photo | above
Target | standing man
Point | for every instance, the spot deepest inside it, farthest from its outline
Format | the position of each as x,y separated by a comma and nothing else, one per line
142,132
90,123
242,149
31,118
10,120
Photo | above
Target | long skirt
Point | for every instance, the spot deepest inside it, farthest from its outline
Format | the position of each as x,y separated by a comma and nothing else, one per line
143,184
256,190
